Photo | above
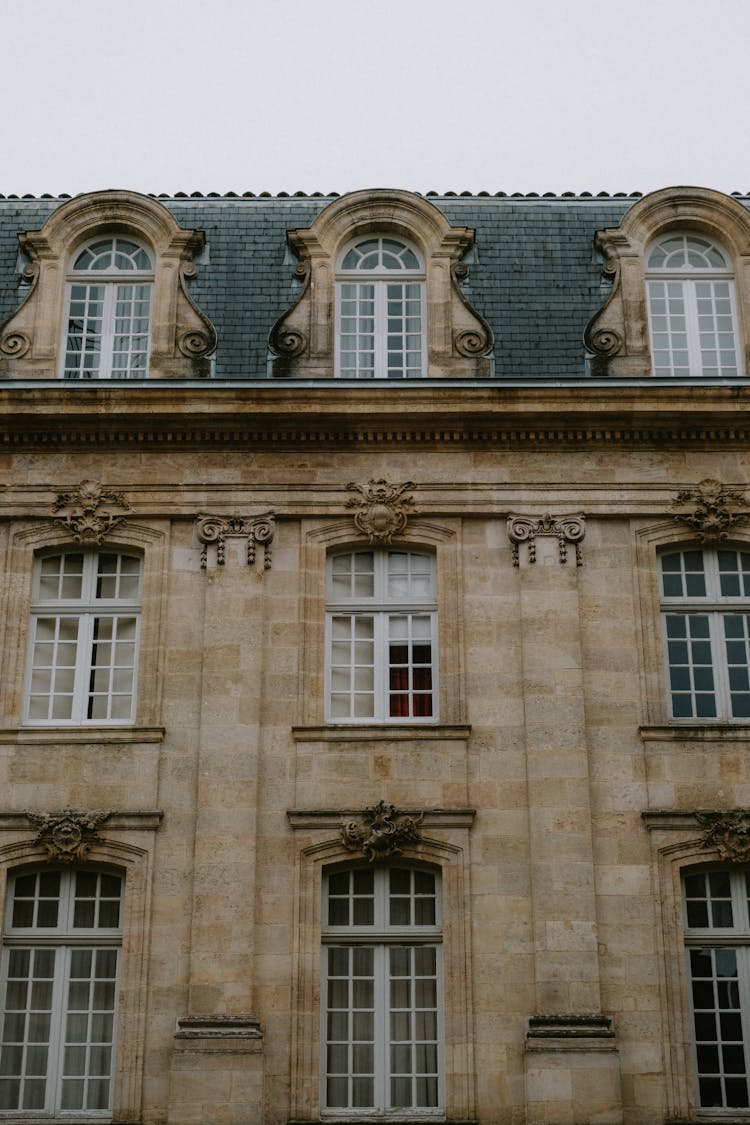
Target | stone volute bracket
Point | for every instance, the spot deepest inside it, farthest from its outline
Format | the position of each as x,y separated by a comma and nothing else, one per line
67,835
381,510
258,531
86,517
714,511
380,831
568,530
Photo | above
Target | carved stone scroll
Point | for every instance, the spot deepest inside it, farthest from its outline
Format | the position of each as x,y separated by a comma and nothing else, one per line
729,831
86,518
257,530
566,529
382,510
714,512
380,831
68,835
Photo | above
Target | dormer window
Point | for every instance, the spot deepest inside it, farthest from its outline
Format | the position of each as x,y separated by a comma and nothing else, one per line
107,332
380,310
691,307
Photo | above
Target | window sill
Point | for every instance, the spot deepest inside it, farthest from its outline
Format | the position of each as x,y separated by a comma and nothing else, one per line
695,732
79,734
393,732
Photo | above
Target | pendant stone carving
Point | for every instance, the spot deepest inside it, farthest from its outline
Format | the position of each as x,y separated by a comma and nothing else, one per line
566,529
86,519
714,511
382,510
257,530
380,831
67,836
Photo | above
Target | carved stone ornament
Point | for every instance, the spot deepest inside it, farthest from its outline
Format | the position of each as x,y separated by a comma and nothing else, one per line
728,830
566,529
380,831
382,509
257,530
85,519
67,836
712,515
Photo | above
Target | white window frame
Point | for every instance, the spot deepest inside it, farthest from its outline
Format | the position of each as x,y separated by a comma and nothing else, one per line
113,281
87,610
378,278
64,940
711,938
382,610
382,937
715,608
688,278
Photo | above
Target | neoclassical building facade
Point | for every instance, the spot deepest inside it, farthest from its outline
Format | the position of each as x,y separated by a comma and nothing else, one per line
375,689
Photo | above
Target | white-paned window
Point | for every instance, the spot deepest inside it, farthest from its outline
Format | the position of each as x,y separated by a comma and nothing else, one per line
382,990
109,311
59,993
382,636
84,638
717,928
380,294
692,308
706,615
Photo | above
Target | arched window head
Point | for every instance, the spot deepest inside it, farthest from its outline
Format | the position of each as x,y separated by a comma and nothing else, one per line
691,307
380,318
107,334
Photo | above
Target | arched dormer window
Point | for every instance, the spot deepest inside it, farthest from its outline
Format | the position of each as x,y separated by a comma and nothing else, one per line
680,299
108,295
380,311
107,335
691,307
394,309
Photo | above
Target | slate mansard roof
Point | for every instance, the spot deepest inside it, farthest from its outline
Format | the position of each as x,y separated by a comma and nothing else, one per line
534,273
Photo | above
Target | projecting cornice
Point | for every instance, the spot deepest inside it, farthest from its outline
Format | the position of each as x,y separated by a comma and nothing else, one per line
431,413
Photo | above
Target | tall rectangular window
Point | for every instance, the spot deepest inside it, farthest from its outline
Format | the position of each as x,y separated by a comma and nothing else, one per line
58,995
382,634
717,928
85,621
382,984
705,598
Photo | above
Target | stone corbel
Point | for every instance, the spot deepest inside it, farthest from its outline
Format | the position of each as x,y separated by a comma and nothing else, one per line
381,510
86,519
715,510
568,530
258,531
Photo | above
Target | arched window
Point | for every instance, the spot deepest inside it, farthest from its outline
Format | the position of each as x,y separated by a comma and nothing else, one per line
382,636
84,635
380,311
705,599
382,989
692,308
717,936
107,333
59,991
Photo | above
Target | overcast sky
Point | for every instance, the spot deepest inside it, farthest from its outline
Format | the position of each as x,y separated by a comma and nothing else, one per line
332,95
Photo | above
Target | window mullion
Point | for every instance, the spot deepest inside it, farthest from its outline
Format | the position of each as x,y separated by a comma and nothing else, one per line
380,341
108,330
719,662
57,1029
382,1013
382,666
82,682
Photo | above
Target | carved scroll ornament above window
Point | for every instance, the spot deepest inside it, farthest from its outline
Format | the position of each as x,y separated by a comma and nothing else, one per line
382,510
67,836
714,510
381,831
87,517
